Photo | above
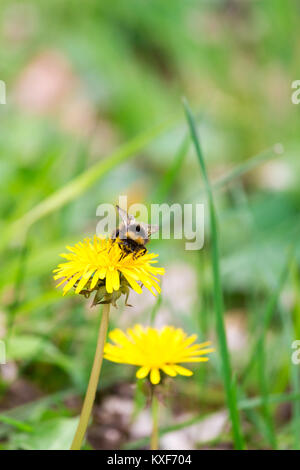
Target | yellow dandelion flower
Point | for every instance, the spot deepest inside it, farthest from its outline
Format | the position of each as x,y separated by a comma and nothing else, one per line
98,265
156,350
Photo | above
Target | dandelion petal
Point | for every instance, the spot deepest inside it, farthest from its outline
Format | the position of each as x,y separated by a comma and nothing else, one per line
154,376
142,372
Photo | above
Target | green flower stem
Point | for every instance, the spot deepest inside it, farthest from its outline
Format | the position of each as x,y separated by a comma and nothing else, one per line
155,414
93,382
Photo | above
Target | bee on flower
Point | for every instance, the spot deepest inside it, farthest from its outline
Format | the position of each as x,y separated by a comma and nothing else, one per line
99,265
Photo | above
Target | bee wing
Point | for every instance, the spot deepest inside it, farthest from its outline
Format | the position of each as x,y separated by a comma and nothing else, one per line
126,219
152,229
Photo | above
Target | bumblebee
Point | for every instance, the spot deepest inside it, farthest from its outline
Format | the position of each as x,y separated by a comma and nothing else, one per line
132,236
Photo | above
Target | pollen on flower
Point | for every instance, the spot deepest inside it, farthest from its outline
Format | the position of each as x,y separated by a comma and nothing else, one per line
154,350
100,265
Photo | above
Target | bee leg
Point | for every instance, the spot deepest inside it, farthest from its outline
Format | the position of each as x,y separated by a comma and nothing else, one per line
128,250
122,252
139,253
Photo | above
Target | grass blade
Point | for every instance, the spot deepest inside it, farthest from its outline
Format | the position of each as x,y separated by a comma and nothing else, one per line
19,425
242,169
268,314
270,434
275,399
218,295
247,166
291,332
17,288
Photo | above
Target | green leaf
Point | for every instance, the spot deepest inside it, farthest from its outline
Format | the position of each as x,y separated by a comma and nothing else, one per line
55,434
29,347
15,423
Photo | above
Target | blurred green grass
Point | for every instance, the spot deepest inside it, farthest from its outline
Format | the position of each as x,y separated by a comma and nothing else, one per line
88,91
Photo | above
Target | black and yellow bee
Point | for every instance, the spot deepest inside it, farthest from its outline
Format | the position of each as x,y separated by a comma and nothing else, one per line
132,235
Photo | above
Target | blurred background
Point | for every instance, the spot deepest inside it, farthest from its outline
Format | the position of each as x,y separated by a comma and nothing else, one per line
94,110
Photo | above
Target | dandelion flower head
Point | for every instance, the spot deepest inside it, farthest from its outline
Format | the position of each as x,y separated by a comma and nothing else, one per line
100,265
156,350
